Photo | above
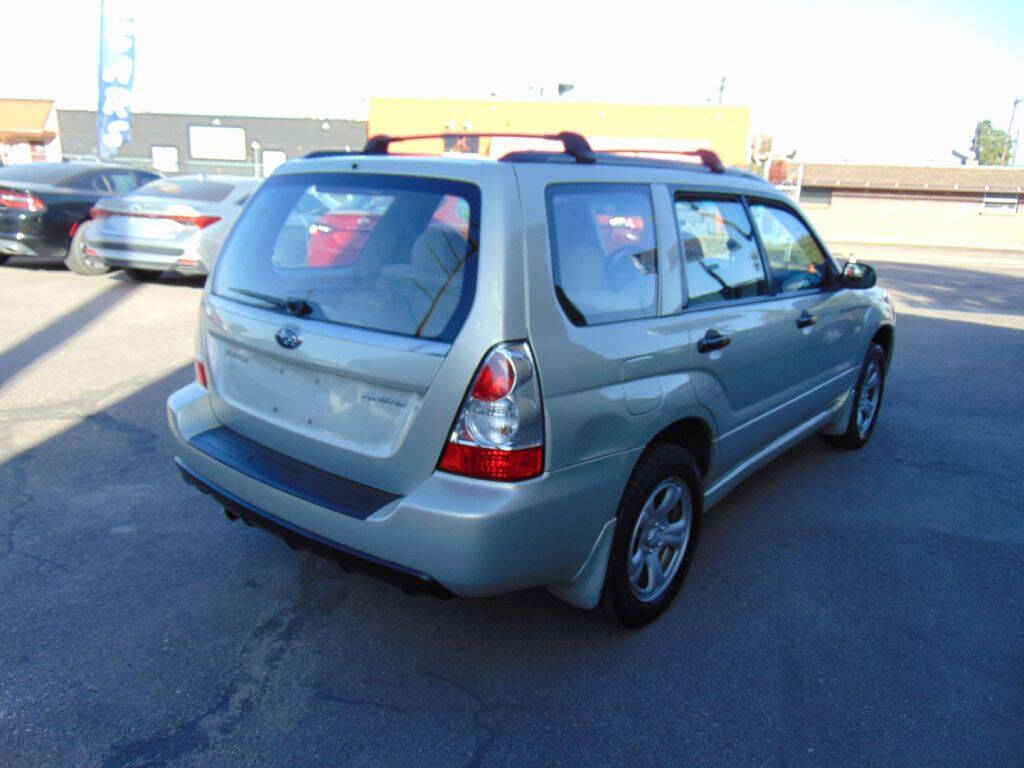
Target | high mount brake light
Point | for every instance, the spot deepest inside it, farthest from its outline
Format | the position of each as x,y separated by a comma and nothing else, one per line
499,431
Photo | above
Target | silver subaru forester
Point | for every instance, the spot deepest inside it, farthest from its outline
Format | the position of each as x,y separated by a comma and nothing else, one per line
474,376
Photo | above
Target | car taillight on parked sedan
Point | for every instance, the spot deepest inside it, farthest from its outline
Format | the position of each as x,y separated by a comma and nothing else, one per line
499,432
22,201
188,220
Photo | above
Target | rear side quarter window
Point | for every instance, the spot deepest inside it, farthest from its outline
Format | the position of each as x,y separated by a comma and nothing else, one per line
604,251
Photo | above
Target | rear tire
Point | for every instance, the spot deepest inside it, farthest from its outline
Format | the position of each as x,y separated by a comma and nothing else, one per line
3,259
656,531
142,275
77,261
867,402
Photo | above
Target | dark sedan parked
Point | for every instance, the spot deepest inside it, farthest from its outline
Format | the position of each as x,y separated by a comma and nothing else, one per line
43,204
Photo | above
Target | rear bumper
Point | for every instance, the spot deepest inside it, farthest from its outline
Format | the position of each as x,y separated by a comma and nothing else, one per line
296,538
471,537
157,259
15,243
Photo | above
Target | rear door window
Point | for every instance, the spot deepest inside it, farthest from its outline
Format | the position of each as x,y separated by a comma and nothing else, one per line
794,257
389,253
604,251
719,251
122,182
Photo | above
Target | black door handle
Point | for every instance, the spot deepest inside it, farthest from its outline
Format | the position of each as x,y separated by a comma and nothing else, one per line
713,340
806,319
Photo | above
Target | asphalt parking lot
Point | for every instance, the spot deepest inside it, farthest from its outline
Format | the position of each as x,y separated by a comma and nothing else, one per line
843,608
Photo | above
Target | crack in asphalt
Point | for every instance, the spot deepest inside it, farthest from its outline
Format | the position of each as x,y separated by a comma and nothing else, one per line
261,654
479,714
16,517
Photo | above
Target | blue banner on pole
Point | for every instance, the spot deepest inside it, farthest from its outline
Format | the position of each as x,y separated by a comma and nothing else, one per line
117,76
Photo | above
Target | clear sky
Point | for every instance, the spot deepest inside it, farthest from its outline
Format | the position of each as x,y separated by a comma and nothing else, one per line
872,80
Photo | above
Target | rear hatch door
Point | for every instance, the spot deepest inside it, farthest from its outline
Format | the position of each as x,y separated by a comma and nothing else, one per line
332,310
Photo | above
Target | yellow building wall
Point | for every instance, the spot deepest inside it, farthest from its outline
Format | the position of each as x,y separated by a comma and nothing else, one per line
723,129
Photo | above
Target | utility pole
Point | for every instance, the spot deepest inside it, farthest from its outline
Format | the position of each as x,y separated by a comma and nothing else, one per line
721,90
1009,135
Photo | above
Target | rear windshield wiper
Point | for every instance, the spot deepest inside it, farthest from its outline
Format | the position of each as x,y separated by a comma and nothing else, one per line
297,307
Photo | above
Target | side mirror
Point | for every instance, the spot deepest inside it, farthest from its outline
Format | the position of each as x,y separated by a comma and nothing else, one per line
857,275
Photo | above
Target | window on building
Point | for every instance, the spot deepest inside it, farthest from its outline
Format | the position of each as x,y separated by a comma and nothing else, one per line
816,196
999,202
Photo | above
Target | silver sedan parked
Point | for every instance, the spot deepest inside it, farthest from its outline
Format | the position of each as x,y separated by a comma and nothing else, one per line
177,223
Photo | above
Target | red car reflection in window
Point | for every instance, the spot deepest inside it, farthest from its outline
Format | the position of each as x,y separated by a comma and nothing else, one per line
619,231
337,238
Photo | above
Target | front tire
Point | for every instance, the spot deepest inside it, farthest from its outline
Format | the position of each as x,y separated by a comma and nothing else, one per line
3,258
656,533
867,402
78,261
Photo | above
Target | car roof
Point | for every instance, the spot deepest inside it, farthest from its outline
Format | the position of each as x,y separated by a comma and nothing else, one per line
470,166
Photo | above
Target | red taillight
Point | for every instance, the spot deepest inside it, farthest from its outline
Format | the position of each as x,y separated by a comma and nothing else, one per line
200,221
22,201
492,463
495,380
498,433
201,377
74,228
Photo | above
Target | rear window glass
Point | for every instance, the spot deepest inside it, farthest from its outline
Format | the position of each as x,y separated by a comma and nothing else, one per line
389,253
604,251
208,190
40,173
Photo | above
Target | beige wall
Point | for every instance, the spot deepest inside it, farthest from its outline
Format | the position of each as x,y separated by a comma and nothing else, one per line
855,219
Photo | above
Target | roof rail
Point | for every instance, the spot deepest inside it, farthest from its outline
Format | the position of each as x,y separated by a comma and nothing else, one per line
573,143
708,158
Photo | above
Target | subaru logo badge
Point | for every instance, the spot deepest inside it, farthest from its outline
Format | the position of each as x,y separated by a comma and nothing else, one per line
289,338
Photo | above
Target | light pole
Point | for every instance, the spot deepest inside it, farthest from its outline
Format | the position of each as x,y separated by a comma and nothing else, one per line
1007,160
255,158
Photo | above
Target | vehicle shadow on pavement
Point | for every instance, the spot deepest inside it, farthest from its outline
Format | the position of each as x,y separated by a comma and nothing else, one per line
44,265
842,606
48,338
922,286
165,278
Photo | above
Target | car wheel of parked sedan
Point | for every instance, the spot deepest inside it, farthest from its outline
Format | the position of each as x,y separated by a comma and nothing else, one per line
655,536
80,262
867,402
3,259
142,275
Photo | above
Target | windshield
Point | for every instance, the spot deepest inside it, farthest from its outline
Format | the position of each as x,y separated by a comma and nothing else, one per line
389,253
